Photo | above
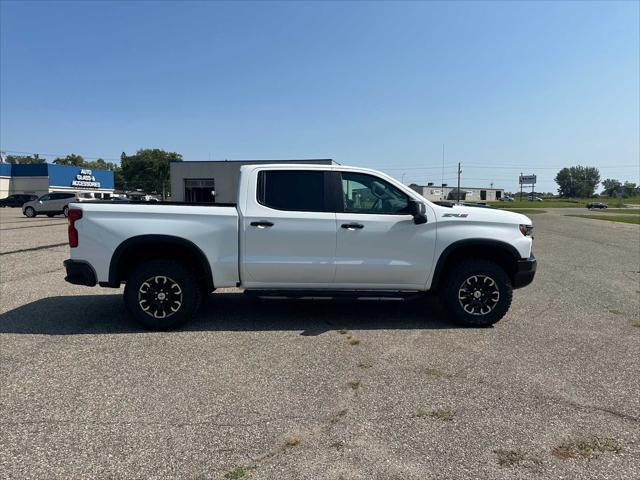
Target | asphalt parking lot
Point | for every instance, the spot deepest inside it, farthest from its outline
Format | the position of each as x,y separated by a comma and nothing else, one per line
316,389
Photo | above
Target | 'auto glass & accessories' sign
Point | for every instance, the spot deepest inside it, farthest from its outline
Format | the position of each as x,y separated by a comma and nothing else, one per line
85,179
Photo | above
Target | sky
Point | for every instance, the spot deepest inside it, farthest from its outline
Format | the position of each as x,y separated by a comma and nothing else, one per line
506,87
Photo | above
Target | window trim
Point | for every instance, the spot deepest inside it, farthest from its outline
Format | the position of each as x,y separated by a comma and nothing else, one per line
328,187
340,200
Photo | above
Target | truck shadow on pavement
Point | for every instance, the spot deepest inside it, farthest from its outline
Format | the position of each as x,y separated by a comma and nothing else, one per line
106,314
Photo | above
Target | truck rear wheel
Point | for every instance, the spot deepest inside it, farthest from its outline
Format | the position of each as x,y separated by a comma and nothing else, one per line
162,294
477,293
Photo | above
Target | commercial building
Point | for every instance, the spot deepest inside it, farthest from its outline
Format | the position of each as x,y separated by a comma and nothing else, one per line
41,178
469,194
216,181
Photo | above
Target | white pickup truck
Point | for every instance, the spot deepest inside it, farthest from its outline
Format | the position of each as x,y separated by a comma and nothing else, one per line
302,231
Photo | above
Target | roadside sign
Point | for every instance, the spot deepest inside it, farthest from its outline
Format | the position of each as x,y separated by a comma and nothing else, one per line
527,179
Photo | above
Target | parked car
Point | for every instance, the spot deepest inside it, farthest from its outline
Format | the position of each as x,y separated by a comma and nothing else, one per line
303,231
16,200
534,198
50,204
596,205
92,196
506,198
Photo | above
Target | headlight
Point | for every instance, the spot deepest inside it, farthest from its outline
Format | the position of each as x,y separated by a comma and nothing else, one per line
526,230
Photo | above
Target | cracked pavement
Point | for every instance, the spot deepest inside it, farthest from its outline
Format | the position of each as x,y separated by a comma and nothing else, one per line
84,392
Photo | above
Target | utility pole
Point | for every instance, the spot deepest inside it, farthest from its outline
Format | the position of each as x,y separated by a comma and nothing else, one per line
459,172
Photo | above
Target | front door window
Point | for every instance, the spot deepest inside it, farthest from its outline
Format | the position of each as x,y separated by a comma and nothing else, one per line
368,194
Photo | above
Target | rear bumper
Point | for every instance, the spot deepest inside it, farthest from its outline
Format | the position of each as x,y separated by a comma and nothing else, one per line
80,273
525,271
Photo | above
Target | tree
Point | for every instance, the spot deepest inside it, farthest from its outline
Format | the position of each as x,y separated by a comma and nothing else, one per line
22,159
148,170
72,159
577,181
630,189
611,187
615,188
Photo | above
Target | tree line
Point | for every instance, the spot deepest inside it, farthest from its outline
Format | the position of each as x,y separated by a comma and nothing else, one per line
581,182
147,169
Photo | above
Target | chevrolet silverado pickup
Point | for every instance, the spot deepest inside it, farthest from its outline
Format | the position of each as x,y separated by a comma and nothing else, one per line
303,231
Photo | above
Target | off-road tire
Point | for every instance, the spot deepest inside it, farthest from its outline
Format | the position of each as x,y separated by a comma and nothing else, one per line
30,212
137,295
456,293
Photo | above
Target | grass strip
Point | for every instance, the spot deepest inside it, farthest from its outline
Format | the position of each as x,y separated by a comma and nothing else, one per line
611,218
527,211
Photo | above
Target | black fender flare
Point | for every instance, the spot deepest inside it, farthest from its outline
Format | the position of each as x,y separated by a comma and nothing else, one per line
466,243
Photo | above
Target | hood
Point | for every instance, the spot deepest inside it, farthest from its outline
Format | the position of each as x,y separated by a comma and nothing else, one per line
482,214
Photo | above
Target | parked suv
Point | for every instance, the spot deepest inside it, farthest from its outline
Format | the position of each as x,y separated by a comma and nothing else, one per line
50,204
16,200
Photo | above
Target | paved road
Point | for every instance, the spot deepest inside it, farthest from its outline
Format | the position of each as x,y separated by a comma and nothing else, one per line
325,390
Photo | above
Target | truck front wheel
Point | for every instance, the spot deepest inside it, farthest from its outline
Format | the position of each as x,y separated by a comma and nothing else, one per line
162,294
477,293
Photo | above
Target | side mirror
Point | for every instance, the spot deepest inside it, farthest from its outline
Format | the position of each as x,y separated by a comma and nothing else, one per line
419,212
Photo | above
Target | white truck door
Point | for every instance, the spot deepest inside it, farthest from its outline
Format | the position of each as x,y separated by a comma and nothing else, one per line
378,245
289,233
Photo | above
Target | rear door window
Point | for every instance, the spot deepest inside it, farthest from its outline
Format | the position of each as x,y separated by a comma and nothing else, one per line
294,190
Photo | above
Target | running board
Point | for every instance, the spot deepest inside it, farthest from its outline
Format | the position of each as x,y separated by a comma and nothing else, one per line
335,294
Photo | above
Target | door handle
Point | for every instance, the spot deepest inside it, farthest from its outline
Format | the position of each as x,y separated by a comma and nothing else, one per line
261,224
352,226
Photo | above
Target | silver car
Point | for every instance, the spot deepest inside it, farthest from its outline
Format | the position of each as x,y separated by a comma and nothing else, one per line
49,204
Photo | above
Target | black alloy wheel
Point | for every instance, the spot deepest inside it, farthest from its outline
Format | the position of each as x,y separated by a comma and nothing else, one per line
476,292
162,294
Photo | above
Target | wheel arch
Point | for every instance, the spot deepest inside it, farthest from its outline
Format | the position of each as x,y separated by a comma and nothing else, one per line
141,248
502,253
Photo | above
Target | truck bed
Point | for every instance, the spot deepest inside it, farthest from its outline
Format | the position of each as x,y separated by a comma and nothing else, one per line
106,225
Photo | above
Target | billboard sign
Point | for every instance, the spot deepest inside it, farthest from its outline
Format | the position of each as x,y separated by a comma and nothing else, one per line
527,179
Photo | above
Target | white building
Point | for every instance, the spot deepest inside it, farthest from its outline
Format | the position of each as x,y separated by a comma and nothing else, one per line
468,194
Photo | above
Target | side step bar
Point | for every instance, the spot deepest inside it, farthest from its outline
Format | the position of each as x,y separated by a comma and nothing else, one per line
335,294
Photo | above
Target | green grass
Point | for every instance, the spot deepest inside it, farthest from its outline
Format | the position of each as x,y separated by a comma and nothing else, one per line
589,448
611,218
631,211
565,203
236,473
526,211
552,203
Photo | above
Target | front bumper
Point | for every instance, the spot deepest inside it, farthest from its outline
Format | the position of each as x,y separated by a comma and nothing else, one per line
80,273
525,271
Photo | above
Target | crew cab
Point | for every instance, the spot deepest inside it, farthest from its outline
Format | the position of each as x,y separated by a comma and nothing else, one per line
302,231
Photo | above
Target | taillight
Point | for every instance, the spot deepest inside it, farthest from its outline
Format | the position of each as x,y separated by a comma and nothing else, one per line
73,215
